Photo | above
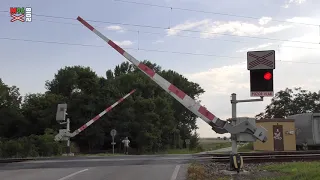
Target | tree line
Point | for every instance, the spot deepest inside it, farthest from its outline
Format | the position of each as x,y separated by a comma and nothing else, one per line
150,117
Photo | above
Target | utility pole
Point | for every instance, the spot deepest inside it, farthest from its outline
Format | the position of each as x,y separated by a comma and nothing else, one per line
68,141
234,122
235,158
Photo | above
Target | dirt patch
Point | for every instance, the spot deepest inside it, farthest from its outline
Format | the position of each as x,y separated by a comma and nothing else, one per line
213,172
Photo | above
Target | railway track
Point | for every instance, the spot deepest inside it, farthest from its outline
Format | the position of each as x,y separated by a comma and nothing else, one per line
260,153
248,157
261,157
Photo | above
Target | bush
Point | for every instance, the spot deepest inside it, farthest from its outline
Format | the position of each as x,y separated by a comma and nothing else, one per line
31,146
200,149
194,141
246,147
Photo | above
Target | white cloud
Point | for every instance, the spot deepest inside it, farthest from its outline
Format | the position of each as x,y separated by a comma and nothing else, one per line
240,29
221,80
256,48
289,53
124,43
264,20
305,20
158,42
209,28
286,6
297,2
115,28
186,26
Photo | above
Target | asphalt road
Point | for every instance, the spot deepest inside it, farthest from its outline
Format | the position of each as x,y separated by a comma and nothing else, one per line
154,167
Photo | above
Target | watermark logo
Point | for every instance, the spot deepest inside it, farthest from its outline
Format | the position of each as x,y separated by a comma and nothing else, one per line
23,14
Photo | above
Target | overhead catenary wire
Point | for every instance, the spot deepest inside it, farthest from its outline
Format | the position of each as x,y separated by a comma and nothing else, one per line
142,49
149,50
208,12
144,32
164,28
176,35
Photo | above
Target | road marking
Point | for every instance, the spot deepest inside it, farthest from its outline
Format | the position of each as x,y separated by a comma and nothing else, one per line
175,173
73,174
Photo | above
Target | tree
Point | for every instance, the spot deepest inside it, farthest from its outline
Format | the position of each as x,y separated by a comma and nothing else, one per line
12,122
151,118
224,138
73,79
183,119
86,95
39,110
289,102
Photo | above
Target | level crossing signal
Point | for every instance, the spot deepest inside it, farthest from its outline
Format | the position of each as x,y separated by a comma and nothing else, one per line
261,80
261,65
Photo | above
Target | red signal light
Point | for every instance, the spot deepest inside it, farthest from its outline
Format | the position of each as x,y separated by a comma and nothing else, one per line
267,76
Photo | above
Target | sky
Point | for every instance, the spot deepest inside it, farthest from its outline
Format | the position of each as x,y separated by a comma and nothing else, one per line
204,40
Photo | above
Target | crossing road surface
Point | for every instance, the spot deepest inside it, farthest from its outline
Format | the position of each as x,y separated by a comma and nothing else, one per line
162,167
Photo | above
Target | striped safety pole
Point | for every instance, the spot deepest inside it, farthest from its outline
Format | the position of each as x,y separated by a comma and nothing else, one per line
100,115
179,95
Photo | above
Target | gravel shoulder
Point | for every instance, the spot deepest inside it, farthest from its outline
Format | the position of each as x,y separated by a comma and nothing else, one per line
213,171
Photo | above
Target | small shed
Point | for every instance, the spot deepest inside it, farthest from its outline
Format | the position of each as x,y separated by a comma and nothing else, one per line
281,135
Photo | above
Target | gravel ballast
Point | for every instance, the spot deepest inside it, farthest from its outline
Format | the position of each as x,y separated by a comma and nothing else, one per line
252,171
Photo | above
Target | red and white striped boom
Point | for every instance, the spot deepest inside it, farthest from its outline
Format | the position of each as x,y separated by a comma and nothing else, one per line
82,128
217,124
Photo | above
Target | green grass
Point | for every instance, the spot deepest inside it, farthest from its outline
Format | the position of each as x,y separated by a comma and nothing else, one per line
181,151
207,145
246,148
100,154
295,171
177,151
214,144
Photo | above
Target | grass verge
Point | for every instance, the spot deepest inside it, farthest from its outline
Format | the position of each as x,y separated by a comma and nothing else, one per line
100,154
204,146
246,148
295,171
180,151
210,146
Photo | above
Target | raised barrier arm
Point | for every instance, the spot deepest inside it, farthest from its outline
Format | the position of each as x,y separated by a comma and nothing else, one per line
217,124
86,125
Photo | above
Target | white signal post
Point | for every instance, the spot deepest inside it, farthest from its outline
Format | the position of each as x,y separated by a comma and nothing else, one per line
64,134
113,133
